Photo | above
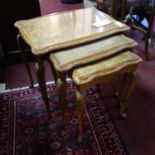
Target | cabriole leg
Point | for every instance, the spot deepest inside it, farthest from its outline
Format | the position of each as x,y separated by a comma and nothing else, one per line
131,85
22,46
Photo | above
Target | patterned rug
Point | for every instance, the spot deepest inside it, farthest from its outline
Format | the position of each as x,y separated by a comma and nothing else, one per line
25,129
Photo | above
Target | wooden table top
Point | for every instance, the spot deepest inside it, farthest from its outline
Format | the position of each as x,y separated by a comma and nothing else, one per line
105,67
65,29
99,49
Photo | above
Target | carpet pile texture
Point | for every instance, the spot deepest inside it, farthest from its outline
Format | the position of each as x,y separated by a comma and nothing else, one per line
26,130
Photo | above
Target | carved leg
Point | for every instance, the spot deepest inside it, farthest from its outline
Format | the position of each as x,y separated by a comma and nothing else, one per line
80,106
151,26
42,85
118,88
132,82
61,85
22,47
117,84
61,88
97,88
123,9
54,72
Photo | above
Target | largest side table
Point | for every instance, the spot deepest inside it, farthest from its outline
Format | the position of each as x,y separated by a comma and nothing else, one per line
61,30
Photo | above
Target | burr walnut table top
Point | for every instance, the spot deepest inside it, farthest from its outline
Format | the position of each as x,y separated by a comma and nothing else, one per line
65,29
71,57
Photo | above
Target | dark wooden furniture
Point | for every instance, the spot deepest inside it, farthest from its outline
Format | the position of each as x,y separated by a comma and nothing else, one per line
113,7
11,11
148,32
128,8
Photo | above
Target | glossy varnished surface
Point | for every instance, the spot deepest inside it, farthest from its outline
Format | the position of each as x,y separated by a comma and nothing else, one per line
105,67
65,29
69,58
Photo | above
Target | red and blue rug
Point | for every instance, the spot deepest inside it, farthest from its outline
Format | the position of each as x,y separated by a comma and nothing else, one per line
25,129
